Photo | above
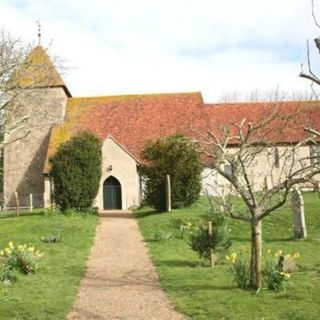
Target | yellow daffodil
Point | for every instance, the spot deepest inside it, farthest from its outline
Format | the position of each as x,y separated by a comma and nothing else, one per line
296,255
8,251
269,251
11,246
31,249
1,253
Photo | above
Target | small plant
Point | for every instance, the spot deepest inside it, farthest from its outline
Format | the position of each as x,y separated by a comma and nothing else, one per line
7,275
239,269
162,235
202,242
51,238
23,258
183,229
277,271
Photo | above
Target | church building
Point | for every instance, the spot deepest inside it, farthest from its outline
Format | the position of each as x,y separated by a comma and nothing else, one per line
122,123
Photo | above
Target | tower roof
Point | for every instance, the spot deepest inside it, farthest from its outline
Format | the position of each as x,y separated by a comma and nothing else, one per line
38,71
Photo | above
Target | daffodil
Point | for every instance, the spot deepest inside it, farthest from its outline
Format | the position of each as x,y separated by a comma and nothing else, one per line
11,246
1,253
269,251
296,255
31,249
8,251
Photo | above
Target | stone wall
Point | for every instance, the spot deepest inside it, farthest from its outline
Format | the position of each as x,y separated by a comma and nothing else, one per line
25,151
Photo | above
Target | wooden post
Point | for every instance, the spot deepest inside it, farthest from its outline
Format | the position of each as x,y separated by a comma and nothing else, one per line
210,252
31,202
17,203
168,193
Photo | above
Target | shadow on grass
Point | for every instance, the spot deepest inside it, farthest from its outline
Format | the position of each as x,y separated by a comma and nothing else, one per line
266,239
179,263
204,287
13,214
142,214
271,240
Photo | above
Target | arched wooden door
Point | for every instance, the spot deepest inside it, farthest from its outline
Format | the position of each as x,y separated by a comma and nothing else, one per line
112,194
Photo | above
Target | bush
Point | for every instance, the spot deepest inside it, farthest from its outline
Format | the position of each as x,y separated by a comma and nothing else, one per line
202,242
22,258
220,240
76,171
177,156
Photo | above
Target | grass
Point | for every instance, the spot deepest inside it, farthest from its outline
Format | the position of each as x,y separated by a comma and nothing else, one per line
202,292
49,293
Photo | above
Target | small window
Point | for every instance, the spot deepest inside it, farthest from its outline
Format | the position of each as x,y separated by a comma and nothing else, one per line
276,158
314,154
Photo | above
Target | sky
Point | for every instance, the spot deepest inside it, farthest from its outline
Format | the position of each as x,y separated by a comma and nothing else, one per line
227,49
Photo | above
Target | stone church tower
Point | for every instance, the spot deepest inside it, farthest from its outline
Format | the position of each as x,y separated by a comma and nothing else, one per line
38,103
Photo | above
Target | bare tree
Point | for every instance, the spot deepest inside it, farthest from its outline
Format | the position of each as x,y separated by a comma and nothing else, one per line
310,74
256,162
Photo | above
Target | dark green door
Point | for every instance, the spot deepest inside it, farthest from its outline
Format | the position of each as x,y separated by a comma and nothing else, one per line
112,194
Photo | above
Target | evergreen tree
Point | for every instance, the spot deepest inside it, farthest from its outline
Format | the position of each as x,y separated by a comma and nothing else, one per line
177,156
76,172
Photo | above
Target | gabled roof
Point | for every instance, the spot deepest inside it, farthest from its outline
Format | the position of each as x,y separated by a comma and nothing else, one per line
38,71
130,119
285,120
134,119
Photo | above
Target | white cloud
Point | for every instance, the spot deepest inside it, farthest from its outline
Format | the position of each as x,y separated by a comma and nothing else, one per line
123,46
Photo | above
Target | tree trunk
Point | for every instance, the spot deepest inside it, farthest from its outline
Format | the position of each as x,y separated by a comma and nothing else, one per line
256,247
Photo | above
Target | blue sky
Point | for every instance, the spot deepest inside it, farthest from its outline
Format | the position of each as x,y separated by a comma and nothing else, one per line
222,48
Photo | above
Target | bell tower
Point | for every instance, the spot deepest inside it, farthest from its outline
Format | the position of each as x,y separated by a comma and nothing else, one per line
37,102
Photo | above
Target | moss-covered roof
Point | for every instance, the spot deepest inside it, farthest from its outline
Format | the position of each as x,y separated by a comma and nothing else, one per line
130,119
38,71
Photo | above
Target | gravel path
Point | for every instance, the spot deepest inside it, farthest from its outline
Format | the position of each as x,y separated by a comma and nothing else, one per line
121,282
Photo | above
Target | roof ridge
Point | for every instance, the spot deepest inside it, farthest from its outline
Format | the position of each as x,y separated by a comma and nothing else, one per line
138,95
261,102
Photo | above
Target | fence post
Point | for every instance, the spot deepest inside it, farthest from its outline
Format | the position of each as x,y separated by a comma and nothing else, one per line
17,203
210,251
168,193
31,202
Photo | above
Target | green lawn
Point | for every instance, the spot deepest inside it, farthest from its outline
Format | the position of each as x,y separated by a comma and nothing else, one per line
204,293
50,292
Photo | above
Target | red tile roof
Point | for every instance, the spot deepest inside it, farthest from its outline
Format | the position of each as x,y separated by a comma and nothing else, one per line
134,119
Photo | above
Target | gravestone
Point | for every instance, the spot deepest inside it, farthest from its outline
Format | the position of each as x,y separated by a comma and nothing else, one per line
299,224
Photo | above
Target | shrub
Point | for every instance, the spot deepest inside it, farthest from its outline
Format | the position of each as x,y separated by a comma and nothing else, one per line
202,242
220,240
22,258
177,156
239,269
76,171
